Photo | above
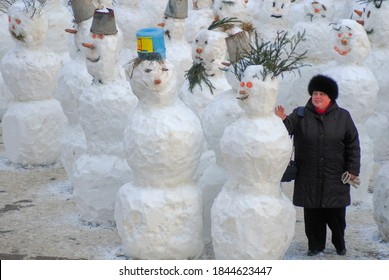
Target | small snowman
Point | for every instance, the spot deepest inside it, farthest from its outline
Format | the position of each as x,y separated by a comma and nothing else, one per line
177,49
159,213
199,17
358,90
58,16
105,109
34,123
130,18
272,17
205,79
251,217
73,79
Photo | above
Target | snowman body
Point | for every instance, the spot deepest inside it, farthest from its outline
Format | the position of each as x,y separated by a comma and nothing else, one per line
216,116
35,122
251,217
380,202
105,109
159,213
377,25
73,80
358,91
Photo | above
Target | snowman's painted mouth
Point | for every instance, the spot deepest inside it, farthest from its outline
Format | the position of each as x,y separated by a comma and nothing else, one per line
339,51
243,97
93,60
276,16
19,37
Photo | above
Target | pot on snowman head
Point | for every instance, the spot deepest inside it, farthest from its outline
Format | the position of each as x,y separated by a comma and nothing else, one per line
151,44
104,22
177,9
82,9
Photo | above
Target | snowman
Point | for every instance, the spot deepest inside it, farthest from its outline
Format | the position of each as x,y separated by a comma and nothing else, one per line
105,108
205,79
177,49
230,9
199,17
358,90
73,79
272,17
376,23
380,202
58,16
159,213
34,123
317,31
130,18
251,218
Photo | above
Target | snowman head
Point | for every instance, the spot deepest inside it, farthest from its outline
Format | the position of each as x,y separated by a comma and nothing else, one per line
209,48
229,9
275,10
103,47
27,24
174,28
350,42
320,9
152,81
257,95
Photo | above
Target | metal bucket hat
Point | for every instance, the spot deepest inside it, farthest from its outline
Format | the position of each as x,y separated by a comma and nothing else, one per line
104,22
82,9
177,9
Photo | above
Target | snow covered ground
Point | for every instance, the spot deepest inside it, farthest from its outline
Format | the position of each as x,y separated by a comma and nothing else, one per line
39,220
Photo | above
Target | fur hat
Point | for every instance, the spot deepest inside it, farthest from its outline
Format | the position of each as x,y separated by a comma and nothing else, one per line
324,84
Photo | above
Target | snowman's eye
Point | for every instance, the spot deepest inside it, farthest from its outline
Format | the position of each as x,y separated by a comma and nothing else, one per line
350,34
339,35
206,42
274,4
148,70
197,40
249,84
165,17
165,69
18,21
94,36
101,36
282,6
9,19
242,84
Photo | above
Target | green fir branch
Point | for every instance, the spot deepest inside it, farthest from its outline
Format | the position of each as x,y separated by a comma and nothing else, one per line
276,57
224,23
196,75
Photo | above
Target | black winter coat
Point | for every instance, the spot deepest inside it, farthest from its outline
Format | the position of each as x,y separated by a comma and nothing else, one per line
325,147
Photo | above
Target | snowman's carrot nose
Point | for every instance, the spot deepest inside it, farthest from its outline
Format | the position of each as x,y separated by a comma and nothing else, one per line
90,46
359,13
162,24
71,31
242,91
199,50
157,81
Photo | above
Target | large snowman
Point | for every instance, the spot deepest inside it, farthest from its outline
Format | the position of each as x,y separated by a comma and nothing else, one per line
105,109
73,79
251,218
358,90
159,214
317,31
376,23
177,48
34,123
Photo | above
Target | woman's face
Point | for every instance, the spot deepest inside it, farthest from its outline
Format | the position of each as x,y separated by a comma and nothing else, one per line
320,100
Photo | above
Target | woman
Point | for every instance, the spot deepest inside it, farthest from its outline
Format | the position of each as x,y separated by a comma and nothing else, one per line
326,147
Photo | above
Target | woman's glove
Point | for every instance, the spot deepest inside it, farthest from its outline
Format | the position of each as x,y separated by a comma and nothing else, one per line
351,179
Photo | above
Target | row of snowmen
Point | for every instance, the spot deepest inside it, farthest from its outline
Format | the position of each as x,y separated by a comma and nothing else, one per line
165,208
